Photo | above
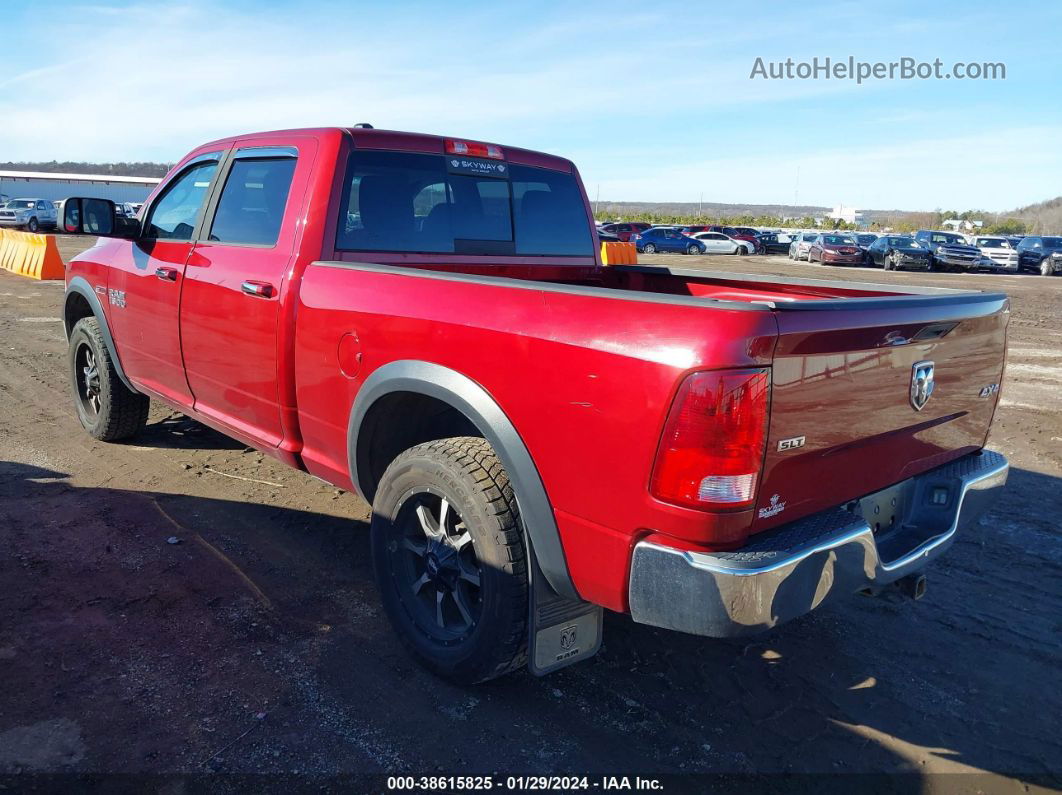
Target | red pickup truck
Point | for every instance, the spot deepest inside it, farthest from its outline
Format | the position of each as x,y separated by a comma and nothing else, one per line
427,321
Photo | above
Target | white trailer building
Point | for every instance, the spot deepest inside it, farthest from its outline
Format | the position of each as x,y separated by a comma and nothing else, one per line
55,187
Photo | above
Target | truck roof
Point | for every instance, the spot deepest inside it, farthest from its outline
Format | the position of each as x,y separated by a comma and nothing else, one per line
371,138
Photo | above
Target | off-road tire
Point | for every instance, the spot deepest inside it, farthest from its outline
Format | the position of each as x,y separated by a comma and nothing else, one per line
122,413
466,472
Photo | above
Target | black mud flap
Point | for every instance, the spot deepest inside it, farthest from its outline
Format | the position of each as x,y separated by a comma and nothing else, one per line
562,631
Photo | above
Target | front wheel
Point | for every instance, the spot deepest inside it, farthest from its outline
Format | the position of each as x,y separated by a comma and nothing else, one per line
33,226
648,248
889,263
106,407
449,557
693,250
1045,267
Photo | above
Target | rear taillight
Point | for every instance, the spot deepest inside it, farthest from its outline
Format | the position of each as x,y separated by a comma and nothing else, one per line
712,448
474,150
636,236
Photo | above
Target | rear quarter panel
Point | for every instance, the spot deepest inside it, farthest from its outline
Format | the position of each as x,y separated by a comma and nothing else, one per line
586,380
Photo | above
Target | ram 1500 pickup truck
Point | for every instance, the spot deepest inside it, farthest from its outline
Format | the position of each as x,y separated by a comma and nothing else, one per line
427,321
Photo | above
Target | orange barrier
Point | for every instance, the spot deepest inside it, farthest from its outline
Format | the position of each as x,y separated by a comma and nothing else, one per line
619,254
30,255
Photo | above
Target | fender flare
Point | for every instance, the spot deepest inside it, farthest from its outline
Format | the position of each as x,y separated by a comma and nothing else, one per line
81,287
472,400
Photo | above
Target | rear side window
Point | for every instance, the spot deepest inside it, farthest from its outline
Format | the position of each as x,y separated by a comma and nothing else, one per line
174,215
252,202
396,201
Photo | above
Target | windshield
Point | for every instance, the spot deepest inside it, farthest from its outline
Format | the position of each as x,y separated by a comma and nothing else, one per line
902,241
992,242
394,201
866,240
21,204
837,240
1053,242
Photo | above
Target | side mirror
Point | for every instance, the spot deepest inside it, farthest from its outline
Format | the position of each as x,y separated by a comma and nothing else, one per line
82,216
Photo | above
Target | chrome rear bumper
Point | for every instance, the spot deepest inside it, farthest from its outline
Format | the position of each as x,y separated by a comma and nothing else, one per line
791,570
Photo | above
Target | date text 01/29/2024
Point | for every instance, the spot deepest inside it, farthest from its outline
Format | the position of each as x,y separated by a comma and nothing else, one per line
523,783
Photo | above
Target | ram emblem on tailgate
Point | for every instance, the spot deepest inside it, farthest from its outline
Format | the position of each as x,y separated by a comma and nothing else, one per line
921,384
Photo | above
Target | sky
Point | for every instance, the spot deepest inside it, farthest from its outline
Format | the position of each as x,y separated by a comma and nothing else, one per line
653,101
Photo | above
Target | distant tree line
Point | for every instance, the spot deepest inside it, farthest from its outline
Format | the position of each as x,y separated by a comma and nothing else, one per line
123,169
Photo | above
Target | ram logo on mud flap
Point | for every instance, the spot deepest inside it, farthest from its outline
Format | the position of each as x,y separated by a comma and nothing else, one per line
567,642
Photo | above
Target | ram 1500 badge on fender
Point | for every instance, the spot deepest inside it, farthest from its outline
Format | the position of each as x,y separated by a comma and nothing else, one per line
427,321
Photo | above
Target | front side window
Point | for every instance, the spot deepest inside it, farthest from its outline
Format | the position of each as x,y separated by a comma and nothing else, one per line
252,202
174,215
397,201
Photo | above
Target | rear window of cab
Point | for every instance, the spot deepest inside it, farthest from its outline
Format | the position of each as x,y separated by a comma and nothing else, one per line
405,202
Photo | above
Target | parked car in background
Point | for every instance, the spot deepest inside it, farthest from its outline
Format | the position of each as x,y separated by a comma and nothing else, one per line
605,237
29,214
999,250
774,244
799,245
949,251
667,239
1043,254
863,240
624,230
833,249
739,233
897,252
718,243
695,229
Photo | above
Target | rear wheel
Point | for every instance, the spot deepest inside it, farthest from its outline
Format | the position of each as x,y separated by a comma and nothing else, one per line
106,407
649,248
450,562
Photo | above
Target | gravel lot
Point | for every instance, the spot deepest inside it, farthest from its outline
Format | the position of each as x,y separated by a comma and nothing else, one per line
255,643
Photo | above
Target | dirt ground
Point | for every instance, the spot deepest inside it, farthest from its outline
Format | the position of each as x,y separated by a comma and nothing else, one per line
179,604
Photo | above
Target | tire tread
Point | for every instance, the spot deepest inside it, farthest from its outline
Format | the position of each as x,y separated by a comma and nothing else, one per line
123,413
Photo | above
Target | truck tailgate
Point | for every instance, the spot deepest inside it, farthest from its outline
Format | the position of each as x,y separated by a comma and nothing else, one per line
843,421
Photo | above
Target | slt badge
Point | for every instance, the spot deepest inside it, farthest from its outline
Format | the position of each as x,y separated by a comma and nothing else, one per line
921,384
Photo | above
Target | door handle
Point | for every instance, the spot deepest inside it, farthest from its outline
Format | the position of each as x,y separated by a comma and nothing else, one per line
166,274
258,289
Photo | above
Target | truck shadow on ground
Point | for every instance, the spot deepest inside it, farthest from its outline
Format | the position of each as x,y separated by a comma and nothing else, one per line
127,609
178,432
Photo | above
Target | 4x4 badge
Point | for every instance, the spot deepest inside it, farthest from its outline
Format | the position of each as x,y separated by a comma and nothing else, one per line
921,384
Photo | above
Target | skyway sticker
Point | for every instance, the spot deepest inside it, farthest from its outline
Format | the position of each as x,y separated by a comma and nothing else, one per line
476,167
